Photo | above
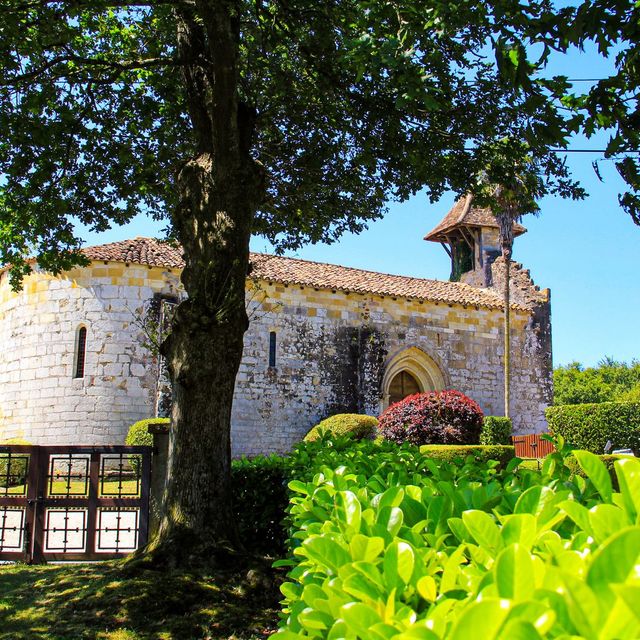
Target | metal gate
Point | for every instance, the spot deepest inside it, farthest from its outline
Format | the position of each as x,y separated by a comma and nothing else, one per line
73,502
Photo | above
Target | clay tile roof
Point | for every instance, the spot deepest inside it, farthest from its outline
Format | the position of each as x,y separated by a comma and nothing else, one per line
148,251
464,214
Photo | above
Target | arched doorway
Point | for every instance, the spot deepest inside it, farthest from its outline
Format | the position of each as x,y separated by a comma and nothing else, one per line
402,385
410,371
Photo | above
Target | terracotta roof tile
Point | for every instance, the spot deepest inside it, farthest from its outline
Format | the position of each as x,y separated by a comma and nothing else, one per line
464,214
148,251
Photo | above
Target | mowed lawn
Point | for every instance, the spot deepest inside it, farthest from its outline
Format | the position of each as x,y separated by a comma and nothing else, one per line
109,601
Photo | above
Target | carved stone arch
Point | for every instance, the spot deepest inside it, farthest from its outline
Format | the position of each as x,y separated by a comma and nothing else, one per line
420,366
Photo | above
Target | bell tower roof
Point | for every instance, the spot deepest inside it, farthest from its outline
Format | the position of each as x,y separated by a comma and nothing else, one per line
464,214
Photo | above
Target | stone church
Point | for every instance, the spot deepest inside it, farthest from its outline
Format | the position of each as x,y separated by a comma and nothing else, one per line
76,367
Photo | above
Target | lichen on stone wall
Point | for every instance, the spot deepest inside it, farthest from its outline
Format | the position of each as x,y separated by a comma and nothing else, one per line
355,369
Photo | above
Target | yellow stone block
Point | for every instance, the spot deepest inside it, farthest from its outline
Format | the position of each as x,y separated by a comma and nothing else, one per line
115,271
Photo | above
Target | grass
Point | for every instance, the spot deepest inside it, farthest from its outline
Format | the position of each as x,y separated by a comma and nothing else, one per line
531,464
107,488
109,601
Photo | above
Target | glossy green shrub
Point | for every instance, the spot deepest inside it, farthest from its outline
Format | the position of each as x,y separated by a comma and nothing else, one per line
480,453
608,460
354,425
496,430
590,426
407,548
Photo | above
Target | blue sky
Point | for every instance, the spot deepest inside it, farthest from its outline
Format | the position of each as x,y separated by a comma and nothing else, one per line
586,252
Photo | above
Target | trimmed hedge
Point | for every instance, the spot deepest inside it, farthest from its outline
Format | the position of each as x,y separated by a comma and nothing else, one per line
353,425
496,430
481,453
436,417
138,434
589,426
608,460
260,497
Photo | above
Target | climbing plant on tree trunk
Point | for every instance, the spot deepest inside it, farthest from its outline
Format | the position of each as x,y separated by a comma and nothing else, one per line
293,119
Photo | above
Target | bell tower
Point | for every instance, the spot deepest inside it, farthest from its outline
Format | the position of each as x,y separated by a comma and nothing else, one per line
471,238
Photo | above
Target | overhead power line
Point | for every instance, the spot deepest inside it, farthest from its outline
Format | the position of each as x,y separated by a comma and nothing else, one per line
592,151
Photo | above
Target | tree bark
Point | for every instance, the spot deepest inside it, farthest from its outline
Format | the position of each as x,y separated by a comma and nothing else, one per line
219,189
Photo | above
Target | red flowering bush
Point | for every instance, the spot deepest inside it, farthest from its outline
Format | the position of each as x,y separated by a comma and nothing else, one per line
436,417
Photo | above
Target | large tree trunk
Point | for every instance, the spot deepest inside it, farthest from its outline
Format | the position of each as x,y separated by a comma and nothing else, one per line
219,190
204,352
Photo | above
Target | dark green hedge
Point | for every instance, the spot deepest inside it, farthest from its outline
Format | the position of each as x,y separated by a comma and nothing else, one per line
496,430
259,494
450,453
260,497
589,426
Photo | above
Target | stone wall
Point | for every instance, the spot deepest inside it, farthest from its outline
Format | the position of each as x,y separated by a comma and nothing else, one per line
333,348
40,400
332,351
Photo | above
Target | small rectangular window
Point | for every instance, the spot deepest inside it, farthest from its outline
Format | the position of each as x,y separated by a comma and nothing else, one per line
81,349
272,348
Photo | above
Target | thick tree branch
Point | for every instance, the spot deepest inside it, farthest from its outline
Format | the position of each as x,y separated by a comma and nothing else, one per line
92,4
197,80
110,65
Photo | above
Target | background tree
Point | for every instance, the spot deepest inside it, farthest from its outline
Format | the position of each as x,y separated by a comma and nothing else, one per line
511,185
609,381
290,118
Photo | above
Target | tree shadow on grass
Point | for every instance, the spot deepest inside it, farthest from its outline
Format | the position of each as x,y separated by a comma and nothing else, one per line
107,601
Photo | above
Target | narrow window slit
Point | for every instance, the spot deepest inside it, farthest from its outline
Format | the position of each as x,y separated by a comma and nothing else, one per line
81,349
272,348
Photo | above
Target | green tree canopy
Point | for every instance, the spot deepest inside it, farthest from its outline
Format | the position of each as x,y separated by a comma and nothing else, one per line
295,119
345,105
609,381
